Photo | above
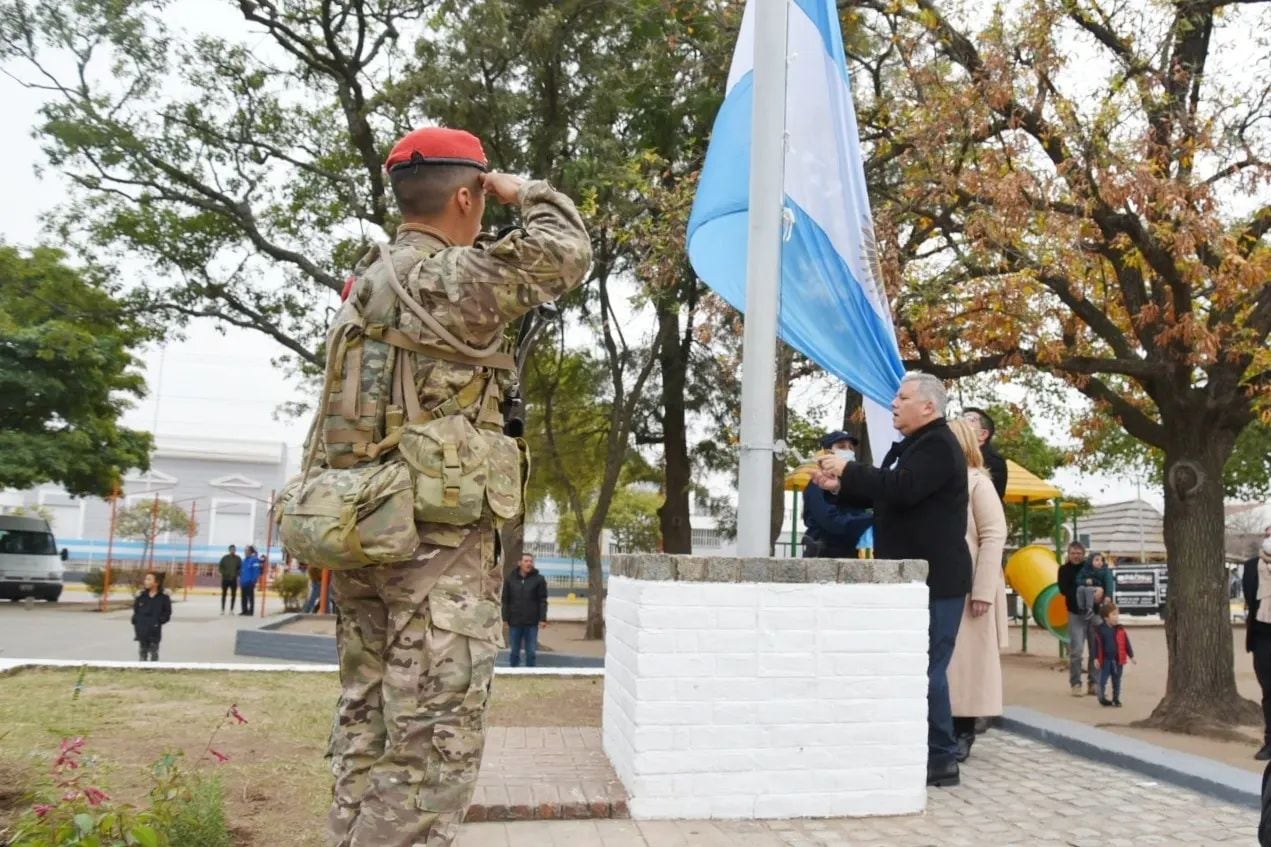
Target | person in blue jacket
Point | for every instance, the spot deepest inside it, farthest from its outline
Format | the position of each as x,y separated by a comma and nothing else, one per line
833,531
247,579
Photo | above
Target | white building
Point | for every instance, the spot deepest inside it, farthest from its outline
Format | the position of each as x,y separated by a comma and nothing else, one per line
227,483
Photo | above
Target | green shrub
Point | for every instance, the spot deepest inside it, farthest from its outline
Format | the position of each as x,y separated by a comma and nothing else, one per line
95,581
293,588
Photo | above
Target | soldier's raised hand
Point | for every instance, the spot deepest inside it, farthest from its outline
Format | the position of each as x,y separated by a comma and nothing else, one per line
503,187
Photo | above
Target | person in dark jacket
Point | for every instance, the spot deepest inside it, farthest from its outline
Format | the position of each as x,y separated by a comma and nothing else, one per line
1081,616
919,497
150,611
229,567
1257,586
994,461
524,610
833,531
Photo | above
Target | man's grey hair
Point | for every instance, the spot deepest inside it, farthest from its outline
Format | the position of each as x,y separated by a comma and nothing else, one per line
929,388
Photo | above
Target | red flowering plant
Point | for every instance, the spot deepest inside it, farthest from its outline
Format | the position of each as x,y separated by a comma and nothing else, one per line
73,809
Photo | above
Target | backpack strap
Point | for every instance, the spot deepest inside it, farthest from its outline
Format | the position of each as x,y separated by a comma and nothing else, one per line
483,353
500,360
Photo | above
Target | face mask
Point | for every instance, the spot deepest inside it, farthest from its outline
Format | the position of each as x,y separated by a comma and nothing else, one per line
845,455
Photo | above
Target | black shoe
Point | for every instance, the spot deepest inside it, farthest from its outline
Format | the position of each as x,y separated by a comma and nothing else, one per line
943,776
1116,703
1104,701
1263,755
964,747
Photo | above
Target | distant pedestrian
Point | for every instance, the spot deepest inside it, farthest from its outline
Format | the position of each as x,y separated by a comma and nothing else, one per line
524,610
1257,588
230,567
1112,644
247,579
315,587
1080,613
150,611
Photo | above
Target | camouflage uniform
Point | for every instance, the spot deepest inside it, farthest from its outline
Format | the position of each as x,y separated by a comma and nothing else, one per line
418,639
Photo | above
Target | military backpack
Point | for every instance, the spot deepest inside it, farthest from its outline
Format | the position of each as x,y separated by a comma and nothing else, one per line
377,465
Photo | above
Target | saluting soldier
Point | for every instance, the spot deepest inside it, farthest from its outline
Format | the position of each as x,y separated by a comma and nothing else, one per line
422,324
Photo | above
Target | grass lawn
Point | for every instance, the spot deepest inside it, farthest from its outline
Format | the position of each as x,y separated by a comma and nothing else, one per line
277,783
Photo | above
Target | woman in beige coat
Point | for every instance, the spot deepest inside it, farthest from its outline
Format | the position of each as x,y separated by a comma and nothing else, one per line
975,672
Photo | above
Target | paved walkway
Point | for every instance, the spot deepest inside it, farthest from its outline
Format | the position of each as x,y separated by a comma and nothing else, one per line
546,773
1014,792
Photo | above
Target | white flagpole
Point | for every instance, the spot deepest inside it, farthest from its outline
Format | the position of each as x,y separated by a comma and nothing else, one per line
763,279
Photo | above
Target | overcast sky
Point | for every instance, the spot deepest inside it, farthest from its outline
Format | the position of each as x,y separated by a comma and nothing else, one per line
222,384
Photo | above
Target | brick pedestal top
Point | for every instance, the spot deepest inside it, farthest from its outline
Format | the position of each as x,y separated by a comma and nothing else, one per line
665,567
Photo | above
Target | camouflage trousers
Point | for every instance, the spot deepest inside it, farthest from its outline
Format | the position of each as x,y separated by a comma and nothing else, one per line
417,644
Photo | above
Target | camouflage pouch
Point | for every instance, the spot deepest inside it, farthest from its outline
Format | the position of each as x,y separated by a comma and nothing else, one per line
450,460
344,519
509,472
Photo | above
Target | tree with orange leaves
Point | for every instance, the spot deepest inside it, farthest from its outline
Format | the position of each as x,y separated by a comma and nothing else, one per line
1080,188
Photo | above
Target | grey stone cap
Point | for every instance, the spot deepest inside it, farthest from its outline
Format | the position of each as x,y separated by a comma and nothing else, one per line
673,568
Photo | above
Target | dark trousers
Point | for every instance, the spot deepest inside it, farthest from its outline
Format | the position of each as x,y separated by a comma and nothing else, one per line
315,597
1262,668
945,618
527,637
149,650
1111,670
249,599
229,586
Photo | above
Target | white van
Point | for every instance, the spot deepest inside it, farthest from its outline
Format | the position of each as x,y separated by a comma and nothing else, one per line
30,565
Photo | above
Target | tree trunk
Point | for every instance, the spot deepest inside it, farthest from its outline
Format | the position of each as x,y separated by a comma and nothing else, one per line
785,362
595,587
854,424
674,516
1200,691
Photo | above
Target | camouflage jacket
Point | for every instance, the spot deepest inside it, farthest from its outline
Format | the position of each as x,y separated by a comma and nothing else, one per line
474,292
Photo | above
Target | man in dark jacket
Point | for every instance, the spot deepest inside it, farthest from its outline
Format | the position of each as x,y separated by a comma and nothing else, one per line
150,611
230,567
994,461
1258,638
524,610
833,531
919,496
1080,617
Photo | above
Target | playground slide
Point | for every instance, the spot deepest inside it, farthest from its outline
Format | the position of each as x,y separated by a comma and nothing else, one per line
1033,573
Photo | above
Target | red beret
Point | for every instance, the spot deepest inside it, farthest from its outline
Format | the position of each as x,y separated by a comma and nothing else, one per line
437,146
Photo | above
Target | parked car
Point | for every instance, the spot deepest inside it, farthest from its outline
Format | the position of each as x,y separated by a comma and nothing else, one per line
30,565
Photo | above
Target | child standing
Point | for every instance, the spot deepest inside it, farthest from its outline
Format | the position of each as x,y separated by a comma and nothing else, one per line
1114,652
150,611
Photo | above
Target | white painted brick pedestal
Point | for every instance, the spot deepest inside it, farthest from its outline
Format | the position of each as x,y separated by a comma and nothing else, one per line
767,688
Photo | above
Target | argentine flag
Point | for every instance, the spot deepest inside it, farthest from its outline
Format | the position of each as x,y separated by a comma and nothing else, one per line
833,306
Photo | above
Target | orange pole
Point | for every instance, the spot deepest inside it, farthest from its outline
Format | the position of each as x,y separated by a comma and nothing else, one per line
326,588
269,540
154,531
110,551
189,554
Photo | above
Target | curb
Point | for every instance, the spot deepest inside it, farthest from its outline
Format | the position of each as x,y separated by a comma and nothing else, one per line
8,666
1195,773
574,808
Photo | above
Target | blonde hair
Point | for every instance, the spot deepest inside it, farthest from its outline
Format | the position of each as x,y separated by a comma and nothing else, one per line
970,441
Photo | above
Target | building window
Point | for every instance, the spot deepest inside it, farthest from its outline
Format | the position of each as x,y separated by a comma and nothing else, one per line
707,538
